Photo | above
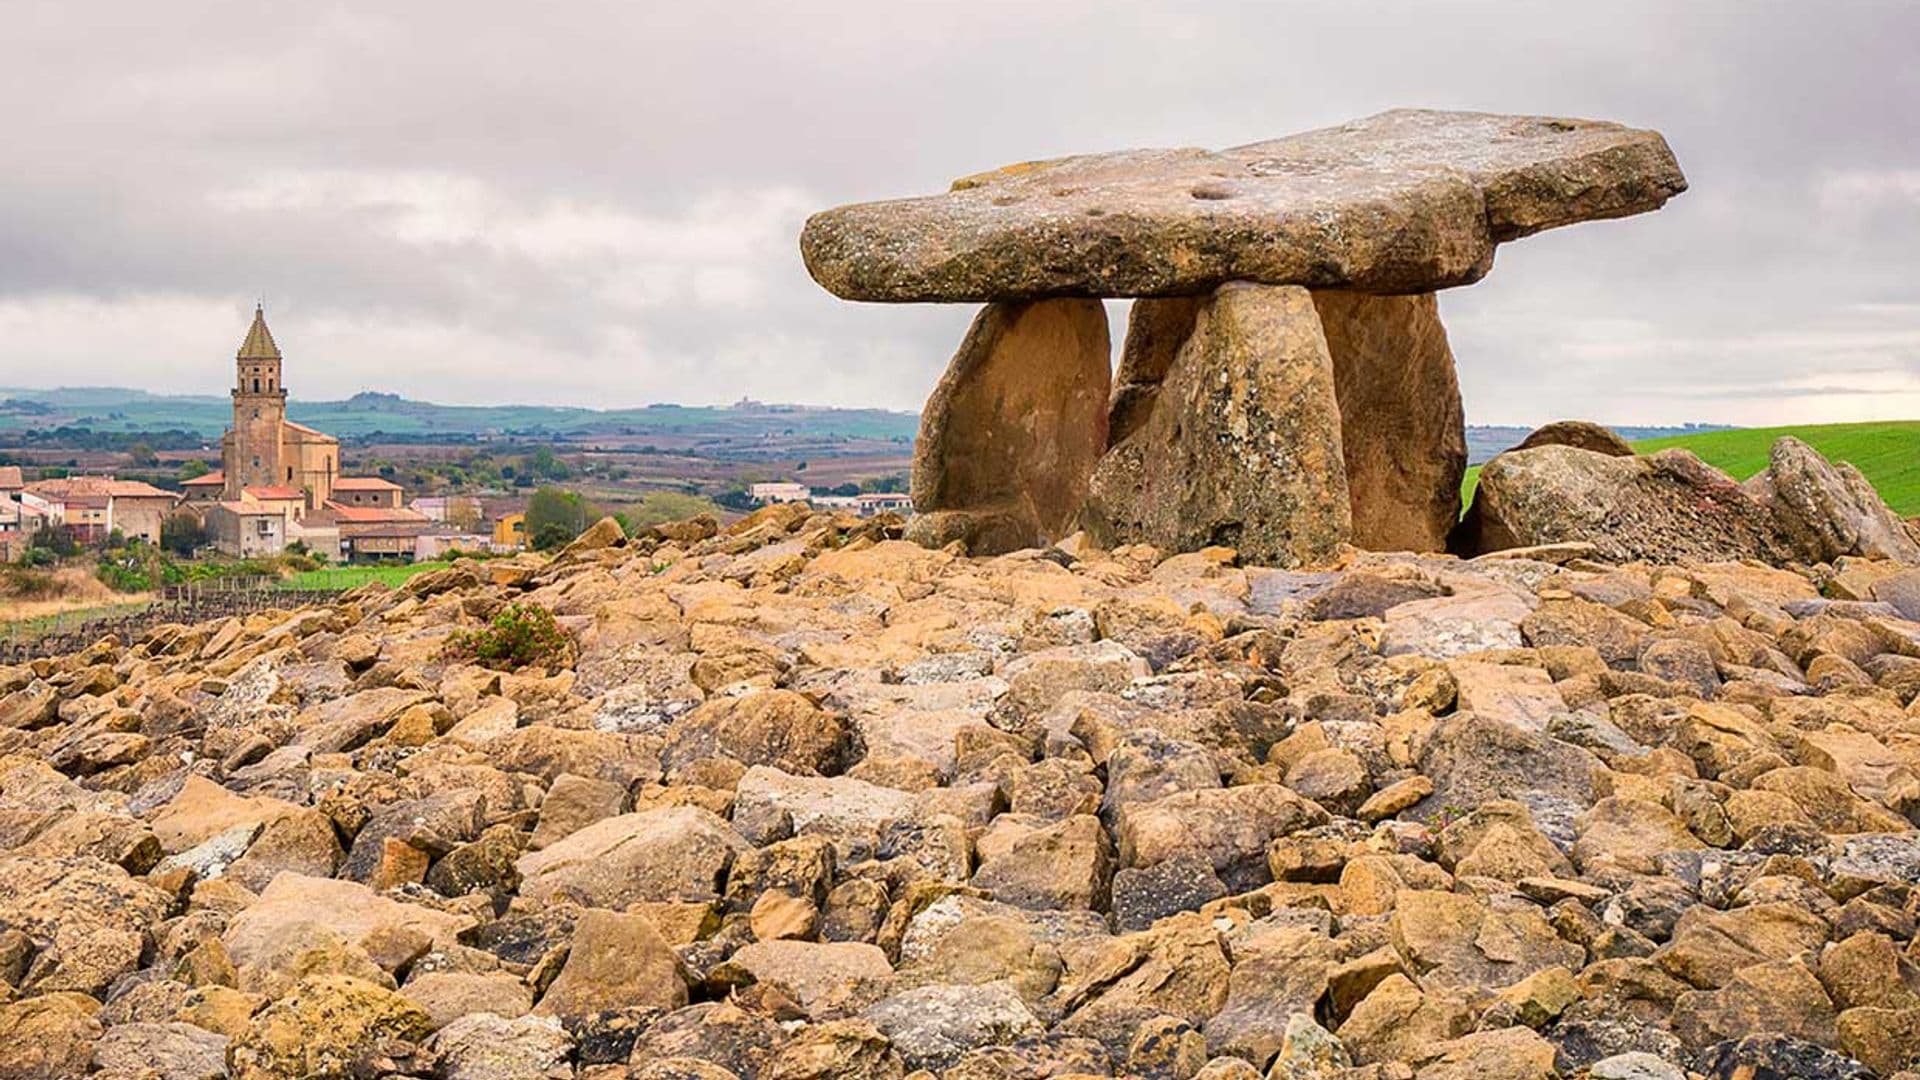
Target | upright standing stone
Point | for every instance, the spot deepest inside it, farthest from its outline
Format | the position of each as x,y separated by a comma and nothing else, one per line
1010,436
1240,444
1402,429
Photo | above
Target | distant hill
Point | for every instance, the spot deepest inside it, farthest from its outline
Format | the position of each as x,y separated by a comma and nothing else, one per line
369,414
1887,453
1486,440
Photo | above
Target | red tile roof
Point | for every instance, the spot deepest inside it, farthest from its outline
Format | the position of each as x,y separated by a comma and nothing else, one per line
280,492
372,514
364,483
212,479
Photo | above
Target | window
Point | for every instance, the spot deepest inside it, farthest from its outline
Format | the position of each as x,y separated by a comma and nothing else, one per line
256,385
289,474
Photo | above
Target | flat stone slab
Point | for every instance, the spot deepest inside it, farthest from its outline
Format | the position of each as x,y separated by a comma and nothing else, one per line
1406,201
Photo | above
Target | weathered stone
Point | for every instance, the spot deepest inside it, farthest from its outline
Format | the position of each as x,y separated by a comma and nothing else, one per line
1577,433
1241,442
674,853
615,961
1664,507
1405,201
174,1051
48,1036
483,1046
323,1028
1828,510
1012,432
778,728
933,1026
1402,429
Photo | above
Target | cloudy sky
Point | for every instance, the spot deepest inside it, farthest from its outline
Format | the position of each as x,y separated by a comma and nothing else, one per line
597,203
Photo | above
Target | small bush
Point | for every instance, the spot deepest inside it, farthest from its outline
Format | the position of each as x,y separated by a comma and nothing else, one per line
520,635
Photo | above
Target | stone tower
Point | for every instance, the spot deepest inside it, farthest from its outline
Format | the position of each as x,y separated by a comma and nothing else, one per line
253,447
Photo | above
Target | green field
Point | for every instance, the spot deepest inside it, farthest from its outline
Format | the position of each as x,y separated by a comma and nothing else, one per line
352,577
1887,452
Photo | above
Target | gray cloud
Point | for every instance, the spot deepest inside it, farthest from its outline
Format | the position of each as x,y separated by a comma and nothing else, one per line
596,203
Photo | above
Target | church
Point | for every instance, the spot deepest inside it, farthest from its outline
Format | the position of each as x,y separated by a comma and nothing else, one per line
280,481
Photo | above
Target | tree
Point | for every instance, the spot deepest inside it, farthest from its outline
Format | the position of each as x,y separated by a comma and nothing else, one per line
193,469
55,540
555,517
183,534
143,456
463,513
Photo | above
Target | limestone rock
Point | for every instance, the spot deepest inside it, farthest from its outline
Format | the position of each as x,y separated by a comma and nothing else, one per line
778,728
1011,434
483,1046
1405,201
1227,828
1402,429
47,1036
1828,510
1664,507
1241,443
175,1051
323,1028
615,961
673,853
823,979
933,1026
87,918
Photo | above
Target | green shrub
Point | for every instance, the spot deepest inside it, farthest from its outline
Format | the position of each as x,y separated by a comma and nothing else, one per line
520,635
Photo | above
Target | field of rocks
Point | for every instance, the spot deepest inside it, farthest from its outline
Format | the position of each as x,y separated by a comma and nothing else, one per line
799,800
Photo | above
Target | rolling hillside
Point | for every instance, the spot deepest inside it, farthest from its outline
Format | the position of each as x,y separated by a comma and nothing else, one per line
1888,452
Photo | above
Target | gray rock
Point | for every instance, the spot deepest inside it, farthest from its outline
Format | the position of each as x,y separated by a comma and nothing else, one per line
174,1051
933,1026
482,1046
1635,1066
1405,201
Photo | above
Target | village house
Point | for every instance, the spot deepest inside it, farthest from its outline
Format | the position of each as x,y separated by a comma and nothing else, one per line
779,493
94,508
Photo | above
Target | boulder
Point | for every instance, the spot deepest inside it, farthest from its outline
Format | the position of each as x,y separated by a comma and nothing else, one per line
615,961
1241,442
323,1028
391,933
1010,435
932,1027
1226,828
823,979
777,728
672,853
1401,202
1827,510
1664,507
48,1036
1402,429
174,1051
87,919
483,1046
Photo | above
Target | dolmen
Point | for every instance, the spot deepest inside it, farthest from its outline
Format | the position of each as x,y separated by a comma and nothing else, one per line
1285,386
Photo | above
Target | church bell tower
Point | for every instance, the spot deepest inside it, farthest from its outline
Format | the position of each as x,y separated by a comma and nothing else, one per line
253,454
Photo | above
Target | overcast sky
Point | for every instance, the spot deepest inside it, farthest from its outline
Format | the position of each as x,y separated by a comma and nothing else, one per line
598,203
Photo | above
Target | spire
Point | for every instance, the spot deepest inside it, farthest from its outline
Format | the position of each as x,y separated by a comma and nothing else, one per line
259,344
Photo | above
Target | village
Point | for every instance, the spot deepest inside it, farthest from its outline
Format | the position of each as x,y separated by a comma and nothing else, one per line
282,486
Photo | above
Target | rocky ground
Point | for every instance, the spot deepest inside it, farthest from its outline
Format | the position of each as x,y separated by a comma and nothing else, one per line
807,801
